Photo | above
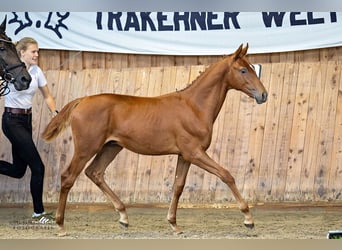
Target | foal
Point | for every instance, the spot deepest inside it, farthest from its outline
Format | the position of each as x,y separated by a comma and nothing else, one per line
179,123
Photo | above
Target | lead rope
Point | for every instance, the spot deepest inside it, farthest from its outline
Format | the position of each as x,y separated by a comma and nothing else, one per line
4,89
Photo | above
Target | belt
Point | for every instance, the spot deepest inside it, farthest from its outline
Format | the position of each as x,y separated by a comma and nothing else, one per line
18,111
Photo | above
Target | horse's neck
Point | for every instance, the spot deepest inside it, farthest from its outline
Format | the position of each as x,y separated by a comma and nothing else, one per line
208,91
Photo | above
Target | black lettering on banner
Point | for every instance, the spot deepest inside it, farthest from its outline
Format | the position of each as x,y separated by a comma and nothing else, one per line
333,17
147,21
177,18
294,21
296,18
114,17
211,25
233,17
161,26
191,21
313,20
99,20
198,18
132,22
277,17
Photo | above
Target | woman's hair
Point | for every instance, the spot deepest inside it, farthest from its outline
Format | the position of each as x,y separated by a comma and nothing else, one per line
23,44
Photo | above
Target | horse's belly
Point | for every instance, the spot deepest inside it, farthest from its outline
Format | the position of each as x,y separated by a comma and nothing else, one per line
149,149
149,145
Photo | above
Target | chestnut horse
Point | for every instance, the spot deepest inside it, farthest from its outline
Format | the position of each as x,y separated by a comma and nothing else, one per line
12,69
179,123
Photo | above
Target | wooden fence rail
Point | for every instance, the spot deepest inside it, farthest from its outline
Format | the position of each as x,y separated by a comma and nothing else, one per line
289,149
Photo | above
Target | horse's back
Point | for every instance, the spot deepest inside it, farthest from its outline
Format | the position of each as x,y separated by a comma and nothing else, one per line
133,122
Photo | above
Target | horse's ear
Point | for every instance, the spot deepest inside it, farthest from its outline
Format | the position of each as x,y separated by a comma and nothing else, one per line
237,53
3,25
244,51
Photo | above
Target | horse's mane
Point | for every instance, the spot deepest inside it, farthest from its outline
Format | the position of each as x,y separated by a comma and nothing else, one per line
201,73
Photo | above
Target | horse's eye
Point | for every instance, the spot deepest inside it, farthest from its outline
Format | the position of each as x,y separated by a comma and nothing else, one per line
243,71
2,49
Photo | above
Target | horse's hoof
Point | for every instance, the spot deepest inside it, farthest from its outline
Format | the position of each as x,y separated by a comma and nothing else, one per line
250,226
178,232
62,233
124,225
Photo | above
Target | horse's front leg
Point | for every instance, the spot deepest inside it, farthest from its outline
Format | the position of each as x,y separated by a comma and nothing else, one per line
202,160
178,186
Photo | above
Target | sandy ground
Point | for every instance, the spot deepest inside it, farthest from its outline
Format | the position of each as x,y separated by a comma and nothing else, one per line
101,222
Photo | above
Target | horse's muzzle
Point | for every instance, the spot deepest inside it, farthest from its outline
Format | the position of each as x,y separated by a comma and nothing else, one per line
22,83
261,98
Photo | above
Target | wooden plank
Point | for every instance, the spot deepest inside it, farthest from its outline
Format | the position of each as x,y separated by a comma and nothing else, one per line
50,59
116,61
267,120
90,82
103,82
186,60
281,150
334,190
310,153
326,132
140,61
93,60
143,76
169,79
182,78
295,161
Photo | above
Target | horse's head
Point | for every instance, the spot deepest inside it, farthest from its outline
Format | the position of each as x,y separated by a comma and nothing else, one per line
242,76
12,69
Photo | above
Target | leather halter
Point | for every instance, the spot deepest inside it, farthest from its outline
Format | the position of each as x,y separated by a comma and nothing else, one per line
6,75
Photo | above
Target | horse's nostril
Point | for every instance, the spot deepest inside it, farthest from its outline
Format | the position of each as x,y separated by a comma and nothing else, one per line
25,79
264,96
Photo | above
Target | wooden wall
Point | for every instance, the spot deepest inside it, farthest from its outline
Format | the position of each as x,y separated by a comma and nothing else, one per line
289,149
78,60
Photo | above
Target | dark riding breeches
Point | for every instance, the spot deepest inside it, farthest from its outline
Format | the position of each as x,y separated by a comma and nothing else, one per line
18,129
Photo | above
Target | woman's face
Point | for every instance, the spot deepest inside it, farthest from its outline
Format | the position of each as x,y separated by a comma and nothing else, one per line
30,55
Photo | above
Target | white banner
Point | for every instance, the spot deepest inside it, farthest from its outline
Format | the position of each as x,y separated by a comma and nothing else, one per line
177,33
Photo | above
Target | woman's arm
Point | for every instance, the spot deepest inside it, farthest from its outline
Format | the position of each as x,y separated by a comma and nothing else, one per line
48,99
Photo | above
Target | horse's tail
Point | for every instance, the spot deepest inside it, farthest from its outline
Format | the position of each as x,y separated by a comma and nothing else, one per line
60,122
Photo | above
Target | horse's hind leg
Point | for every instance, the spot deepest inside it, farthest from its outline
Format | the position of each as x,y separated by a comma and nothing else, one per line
95,171
68,178
178,186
